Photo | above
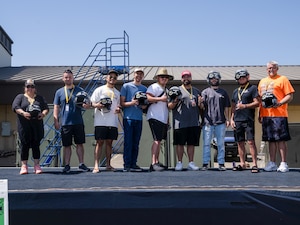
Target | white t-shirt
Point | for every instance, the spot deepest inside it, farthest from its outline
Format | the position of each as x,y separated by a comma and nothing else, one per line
102,118
159,110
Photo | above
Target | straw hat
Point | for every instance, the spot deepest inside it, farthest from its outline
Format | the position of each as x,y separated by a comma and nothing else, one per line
163,72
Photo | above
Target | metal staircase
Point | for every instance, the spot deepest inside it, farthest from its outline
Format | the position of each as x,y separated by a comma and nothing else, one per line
113,53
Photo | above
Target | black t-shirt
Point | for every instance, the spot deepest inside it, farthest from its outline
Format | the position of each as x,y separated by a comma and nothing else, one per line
247,97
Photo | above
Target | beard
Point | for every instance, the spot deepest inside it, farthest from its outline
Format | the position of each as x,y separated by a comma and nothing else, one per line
186,82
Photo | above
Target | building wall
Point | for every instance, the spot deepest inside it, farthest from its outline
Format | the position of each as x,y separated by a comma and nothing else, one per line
5,57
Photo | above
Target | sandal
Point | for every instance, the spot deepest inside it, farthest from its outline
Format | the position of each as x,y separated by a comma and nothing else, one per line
110,168
238,168
96,170
254,169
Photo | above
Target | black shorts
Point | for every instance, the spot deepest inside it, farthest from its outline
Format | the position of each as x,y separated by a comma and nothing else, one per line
275,129
159,129
70,131
106,133
187,135
244,130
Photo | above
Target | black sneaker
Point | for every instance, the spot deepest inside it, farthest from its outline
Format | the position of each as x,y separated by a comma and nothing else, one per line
84,168
67,169
222,167
126,169
136,168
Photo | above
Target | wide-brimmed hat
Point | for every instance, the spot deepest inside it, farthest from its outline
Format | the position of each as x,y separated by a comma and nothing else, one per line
163,72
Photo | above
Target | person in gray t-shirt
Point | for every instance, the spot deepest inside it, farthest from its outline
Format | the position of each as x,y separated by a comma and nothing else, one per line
216,105
186,123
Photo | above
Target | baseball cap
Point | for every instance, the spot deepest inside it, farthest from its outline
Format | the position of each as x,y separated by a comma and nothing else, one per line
186,73
113,71
138,70
29,82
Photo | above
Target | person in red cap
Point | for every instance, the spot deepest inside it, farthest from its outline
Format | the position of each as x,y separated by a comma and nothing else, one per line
186,121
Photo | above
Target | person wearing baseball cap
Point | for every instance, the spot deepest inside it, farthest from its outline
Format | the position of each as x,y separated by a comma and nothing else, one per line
132,119
186,121
30,108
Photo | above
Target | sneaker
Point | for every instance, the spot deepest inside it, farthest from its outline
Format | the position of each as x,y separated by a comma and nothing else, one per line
126,169
157,167
283,167
136,168
222,167
204,167
192,166
271,166
37,169
24,169
84,168
178,166
67,169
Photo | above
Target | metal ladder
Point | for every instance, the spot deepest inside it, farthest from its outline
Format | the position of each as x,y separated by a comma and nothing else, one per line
113,53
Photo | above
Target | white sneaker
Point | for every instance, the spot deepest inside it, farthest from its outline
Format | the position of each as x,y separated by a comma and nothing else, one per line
283,167
271,166
178,166
192,166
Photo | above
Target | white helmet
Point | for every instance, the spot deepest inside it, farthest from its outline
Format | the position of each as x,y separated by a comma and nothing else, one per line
106,101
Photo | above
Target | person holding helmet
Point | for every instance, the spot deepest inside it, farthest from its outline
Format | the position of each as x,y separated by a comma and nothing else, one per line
244,100
276,92
216,105
30,108
68,118
106,101
133,100
186,121
158,115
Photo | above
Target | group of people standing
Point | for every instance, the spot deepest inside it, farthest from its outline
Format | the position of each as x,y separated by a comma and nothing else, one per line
210,111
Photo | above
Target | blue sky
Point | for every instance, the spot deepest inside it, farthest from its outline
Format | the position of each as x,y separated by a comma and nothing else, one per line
161,32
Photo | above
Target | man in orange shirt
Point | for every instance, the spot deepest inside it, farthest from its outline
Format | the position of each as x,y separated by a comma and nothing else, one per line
276,92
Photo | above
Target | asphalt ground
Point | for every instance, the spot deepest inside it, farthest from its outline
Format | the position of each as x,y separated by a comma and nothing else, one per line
52,179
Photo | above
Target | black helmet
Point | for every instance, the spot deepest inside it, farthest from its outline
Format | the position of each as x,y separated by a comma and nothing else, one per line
82,98
268,100
141,97
106,101
174,92
241,73
34,111
214,74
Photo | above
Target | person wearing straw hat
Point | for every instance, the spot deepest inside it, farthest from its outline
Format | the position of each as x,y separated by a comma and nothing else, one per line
158,114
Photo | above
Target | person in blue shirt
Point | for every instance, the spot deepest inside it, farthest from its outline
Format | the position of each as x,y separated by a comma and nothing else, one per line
68,118
132,119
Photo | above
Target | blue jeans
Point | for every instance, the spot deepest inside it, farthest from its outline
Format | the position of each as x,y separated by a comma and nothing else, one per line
209,132
132,136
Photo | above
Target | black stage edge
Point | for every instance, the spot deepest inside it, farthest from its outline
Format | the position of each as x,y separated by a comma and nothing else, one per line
157,198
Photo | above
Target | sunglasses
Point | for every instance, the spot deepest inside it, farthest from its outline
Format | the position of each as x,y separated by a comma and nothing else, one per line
113,77
30,86
164,76
215,75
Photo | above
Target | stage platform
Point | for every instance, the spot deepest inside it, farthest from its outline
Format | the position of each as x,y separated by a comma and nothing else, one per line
167,197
